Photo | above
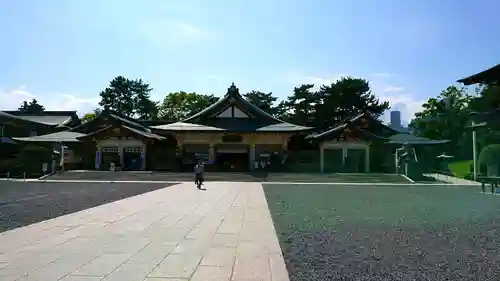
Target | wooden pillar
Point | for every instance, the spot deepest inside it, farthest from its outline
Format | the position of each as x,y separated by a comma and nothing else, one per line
211,152
367,159
251,156
321,158
62,156
344,153
143,159
98,157
121,154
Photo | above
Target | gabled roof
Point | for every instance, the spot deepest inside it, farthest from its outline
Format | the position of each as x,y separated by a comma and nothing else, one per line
87,127
488,76
256,120
232,97
231,125
411,139
142,133
65,136
83,131
48,118
353,124
10,117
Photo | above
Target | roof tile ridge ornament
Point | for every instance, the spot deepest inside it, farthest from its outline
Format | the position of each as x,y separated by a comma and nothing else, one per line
233,91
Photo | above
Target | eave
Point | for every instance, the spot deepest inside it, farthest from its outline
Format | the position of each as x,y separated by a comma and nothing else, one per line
488,76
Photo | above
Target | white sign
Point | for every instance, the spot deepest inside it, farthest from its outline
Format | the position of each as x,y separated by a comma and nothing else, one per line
45,167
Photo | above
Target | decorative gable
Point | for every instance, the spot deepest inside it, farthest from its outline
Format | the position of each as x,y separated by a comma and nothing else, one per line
228,113
232,112
237,113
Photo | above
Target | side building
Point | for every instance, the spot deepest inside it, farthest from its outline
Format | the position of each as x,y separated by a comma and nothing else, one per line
18,156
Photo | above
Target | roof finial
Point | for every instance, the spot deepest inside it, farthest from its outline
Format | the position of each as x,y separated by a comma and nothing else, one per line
233,90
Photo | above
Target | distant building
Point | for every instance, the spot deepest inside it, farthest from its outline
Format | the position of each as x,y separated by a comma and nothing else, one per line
396,123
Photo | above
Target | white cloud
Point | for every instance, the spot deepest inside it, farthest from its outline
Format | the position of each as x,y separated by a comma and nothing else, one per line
392,89
167,32
12,99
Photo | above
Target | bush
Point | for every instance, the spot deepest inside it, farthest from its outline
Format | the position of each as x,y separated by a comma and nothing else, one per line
490,155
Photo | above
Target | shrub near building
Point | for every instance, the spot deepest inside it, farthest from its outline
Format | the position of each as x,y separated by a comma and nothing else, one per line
490,158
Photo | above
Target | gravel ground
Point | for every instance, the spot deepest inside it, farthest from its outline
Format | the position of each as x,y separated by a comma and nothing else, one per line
387,233
24,203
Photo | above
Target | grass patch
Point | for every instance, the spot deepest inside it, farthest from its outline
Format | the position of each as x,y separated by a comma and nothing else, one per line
460,169
386,232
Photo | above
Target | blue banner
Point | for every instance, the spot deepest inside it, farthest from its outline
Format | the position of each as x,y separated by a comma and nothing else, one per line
97,159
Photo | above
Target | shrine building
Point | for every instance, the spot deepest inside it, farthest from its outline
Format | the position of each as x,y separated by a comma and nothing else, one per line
230,135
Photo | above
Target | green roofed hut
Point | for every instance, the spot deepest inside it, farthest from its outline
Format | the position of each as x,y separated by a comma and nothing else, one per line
356,140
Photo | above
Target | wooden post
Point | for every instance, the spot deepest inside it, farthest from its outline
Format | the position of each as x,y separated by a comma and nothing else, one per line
322,158
474,152
251,156
367,159
62,157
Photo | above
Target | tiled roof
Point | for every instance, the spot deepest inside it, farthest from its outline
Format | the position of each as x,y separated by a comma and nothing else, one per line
231,125
411,139
48,118
258,119
65,136
488,76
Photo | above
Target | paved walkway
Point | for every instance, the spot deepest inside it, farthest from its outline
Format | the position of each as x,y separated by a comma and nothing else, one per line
177,233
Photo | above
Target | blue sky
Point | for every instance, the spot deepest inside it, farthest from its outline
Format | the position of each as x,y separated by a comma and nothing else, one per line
65,52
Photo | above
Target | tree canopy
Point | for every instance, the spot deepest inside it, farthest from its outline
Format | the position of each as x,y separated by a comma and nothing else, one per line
129,98
264,101
448,116
179,105
331,103
306,105
31,107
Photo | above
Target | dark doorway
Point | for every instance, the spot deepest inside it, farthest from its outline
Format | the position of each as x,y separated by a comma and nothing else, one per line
132,159
108,158
232,162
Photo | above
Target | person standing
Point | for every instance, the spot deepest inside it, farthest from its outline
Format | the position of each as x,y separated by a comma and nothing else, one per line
199,169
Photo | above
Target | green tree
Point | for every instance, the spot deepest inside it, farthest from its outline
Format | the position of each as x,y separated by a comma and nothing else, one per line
145,108
88,116
297,107
179,105
129,98
344,98
31,107
118,96
446,117
487,100
263,101
490,157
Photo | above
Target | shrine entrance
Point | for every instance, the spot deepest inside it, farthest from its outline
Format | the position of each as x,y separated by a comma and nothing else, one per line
232,159
110,154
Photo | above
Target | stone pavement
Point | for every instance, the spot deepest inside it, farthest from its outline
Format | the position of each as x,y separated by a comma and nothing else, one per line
177,233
